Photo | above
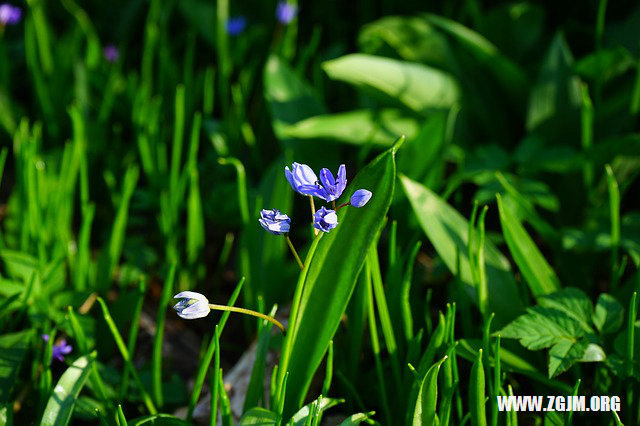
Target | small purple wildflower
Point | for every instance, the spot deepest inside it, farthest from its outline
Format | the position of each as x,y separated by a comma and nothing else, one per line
360,198
111,53
60,349
286,12
236,25
325,219
9,15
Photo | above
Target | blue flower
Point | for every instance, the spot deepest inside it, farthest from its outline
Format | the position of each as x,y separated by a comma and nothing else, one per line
325,220
9,15
192,305
236,25
274,221
332,188
302,179
60,349
286,12
360,198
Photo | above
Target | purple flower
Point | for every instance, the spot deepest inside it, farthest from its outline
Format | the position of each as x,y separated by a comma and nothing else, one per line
286,12
9,15
275,222
111,53
360,198
236,25
61,349
302,179
325,219
332,188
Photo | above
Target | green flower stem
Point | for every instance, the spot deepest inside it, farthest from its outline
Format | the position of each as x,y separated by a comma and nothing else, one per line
248,312
293,250
313,214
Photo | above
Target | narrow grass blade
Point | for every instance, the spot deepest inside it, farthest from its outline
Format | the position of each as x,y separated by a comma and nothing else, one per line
537,273
122,420
614,212
204,365
425,410
477,393
156,357
125,355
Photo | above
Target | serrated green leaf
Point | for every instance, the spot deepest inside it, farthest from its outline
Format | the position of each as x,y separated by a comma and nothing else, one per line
419,87
448,232
542,327
536,271
64,394
332,275
259,416
608,315
573,302
13,348
564,354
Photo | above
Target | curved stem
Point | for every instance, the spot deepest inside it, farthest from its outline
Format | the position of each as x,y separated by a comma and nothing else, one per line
293,250
342,205
248,312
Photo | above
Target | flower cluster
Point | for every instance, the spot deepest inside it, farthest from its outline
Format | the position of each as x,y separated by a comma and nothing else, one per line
328,188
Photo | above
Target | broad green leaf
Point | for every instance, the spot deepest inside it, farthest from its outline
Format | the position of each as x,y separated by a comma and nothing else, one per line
556,95
425,411
608,315
605,63
535,269
422,158
418,87
13,348
448,232
356,419
360,127
573,302
505,72
259,416
412,38
290,99
63,397
301,417
542,327
564,354
158,420
332,274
